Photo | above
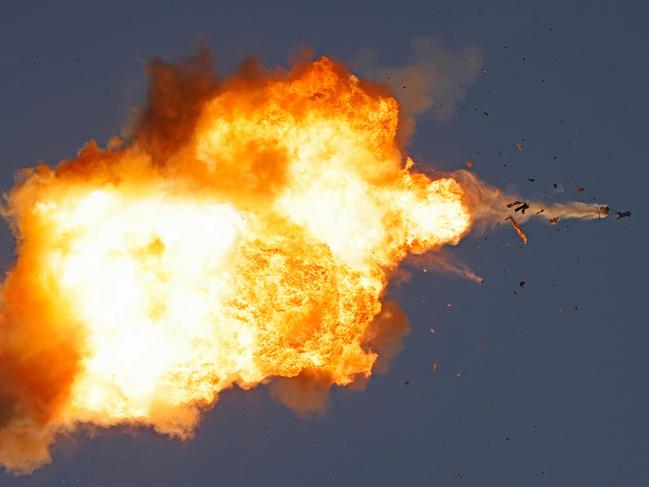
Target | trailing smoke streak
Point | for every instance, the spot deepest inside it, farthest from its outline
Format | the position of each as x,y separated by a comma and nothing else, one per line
488,205
441,261
244,236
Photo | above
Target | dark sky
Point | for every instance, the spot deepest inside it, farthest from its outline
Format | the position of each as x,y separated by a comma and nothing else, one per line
556,397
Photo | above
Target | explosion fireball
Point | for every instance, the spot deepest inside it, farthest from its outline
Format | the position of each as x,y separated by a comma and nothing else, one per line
245,233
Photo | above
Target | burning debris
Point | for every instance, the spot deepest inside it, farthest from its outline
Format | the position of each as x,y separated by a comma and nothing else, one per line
518,229
246,235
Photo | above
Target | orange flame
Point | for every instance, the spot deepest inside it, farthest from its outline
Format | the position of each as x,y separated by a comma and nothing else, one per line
247,233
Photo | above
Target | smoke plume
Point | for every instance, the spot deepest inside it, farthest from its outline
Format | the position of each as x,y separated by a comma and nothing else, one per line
434,78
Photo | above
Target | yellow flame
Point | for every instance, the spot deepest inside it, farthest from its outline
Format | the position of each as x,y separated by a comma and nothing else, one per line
261,247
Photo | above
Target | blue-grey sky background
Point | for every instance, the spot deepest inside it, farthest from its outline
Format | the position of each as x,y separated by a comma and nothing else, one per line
558,396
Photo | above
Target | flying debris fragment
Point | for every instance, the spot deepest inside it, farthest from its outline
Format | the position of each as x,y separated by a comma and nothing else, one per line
522,208
518,229
554,220
540,211
623,214
602,211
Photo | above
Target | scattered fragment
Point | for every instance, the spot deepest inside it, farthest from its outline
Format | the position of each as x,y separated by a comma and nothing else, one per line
407,382
520,147
522,208
468,164
554,220
602,211
540,211
558,188
623,214
449,305
521,284
518,229
432,331
581,189
434,366
531,180
513,203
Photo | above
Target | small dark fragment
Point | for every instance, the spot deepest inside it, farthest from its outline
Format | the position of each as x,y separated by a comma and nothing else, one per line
521,284
522,208
531,180
623,214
